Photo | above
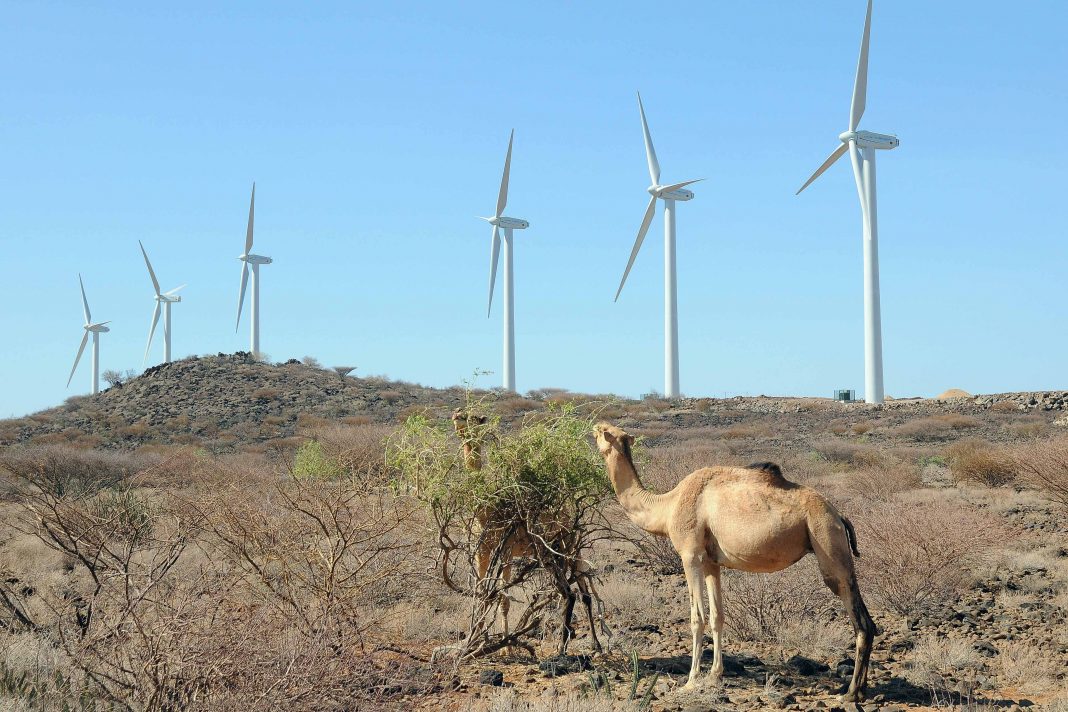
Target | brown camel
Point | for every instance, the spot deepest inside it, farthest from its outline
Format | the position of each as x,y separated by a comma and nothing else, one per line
749,519
493,524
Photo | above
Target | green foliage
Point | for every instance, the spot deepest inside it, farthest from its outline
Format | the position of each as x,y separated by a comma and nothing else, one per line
311,462
542,465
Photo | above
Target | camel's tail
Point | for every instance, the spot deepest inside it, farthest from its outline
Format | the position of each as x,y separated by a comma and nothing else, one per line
851,534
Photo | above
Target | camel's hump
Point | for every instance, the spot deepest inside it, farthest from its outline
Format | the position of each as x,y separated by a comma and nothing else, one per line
769,467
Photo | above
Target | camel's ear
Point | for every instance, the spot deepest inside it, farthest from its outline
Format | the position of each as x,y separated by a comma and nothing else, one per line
629,439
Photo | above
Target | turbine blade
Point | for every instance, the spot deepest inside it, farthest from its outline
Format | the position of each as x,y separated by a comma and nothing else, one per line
241,296
860,86
85,302
676,186
835,155
495,248
251,220
638,242
502,197
151,273
858,176
175,289
152,329
85,340
650,152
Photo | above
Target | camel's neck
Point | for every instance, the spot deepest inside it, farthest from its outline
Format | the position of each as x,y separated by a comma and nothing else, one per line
472,456
646,509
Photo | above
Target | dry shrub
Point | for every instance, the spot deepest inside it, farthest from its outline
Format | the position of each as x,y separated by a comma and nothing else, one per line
864,426
845,452
358,450
390,397
516,406
1029,426
882,479
937,427
1005,406
941,664
921,553
66,471
266,394
1029,669
1044,466
759,607
974,460
356,420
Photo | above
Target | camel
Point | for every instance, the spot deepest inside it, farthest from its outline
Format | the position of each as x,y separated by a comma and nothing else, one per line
492,525
750,519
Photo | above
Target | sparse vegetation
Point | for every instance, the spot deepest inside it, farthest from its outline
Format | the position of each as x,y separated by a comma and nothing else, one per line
256,548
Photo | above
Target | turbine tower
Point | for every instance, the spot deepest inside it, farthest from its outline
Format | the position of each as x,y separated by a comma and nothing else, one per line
255,260
862,146
670,194
96,330
499,222
163,303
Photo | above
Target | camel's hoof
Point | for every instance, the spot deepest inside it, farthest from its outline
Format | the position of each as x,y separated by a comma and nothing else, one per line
856,696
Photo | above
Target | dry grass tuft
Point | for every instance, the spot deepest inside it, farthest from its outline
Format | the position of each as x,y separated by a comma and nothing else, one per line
936,427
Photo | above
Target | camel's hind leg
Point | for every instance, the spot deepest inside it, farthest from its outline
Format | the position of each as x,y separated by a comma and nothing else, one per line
586,589
831,546
715,612
694,568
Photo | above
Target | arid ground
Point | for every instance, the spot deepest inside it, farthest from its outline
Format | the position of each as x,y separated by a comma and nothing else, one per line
222,534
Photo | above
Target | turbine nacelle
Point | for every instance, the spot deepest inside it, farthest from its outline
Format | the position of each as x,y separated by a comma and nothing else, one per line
867,139
664,193
255,259
97,328
508,223
168,298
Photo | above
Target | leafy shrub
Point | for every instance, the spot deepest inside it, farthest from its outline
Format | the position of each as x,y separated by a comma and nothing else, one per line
310,462
974,460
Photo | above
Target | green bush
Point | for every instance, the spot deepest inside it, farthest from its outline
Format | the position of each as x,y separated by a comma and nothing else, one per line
541,466
311,462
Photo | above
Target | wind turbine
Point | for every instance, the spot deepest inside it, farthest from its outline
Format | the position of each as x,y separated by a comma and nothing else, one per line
255,260
669,194
163,303
862,146
499,221
96,330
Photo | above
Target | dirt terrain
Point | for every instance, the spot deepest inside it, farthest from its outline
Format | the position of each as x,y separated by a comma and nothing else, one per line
234,466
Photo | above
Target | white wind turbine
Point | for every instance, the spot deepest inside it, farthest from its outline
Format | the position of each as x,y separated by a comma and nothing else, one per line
96,330
499,221
669,194
163,303
255,260
862,146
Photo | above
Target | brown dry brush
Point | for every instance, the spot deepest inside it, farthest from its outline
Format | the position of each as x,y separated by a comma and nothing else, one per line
254,597
1044,466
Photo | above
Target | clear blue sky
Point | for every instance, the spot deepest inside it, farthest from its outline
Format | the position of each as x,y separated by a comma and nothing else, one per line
376,133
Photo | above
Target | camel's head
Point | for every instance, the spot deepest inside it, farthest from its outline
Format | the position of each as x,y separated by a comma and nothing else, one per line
610,438
462,420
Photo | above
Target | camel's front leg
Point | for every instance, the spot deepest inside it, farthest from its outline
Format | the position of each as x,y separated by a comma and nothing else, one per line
695,583
715,611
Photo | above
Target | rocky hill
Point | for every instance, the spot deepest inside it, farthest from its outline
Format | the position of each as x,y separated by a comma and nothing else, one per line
222,399
232,401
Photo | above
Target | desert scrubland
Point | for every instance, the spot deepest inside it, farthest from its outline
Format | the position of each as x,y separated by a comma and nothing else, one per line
276,541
